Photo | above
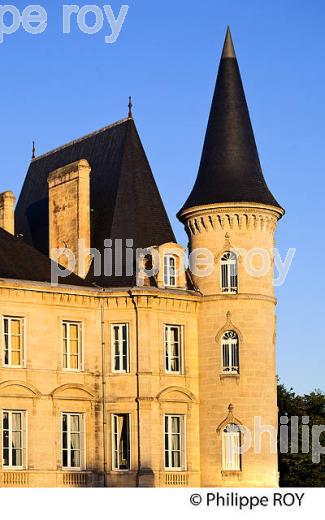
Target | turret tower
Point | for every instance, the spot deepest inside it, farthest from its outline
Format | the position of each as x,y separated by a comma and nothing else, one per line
232,213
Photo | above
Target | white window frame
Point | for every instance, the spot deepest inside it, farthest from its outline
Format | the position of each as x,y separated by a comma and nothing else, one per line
79,324
231,440
23,432
168,349
183,442
82,433
22,341
170,278
230,344
120,353
229,273
114,443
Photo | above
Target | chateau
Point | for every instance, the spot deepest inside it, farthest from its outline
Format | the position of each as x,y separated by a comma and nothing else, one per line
105,381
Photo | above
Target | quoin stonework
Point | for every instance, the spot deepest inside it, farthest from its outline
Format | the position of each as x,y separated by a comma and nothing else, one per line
105,381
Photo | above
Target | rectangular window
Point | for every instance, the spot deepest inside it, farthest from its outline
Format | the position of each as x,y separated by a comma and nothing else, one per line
72,345
13,342
173,348
175,442
121,459
170,271
13,438
72,440
120,347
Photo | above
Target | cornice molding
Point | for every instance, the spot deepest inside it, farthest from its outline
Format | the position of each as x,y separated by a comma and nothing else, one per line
240,296
239,216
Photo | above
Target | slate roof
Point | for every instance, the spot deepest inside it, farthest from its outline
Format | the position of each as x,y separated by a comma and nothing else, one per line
230,169
19,261
124,198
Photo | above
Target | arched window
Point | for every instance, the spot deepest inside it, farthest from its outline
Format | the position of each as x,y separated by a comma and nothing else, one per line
229,272
230,352
170,270
231,443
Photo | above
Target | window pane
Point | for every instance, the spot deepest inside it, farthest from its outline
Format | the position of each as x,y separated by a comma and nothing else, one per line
5,439
73,331
65,458
75,459
15,327
15,358
74,423
6,457
6,325
5,420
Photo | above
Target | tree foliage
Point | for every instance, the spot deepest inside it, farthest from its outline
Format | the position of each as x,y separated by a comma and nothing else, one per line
298,469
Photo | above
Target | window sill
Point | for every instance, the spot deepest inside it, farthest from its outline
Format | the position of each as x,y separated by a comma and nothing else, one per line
15,367
231,473
229,375
13,468
121,471
73,470
73,370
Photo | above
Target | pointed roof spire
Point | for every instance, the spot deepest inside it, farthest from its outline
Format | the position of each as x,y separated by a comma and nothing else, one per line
230,169
228,47
130,115
33,150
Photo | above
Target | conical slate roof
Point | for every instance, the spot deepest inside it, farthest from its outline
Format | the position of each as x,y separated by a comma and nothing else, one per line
124,197
230,169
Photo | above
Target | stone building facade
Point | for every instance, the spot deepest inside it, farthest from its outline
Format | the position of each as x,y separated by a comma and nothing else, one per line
110,379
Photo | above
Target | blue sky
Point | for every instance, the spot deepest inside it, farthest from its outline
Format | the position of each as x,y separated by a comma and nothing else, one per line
57,87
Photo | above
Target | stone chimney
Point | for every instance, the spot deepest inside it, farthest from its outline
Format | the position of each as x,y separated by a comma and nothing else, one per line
7,211
69,215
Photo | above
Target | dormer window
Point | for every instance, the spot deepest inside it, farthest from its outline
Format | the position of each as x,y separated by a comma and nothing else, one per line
229,273
170,270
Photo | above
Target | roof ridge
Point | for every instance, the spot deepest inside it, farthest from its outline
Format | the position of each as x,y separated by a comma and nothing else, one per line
75,141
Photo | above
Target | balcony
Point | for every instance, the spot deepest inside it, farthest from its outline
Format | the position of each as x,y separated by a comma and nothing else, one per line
14,479
176,479
76,479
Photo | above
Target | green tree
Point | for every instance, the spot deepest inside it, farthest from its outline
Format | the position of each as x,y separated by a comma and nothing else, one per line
298,469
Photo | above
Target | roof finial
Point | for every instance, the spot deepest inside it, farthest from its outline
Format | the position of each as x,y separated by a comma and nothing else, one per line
228,48
130,116
33,150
